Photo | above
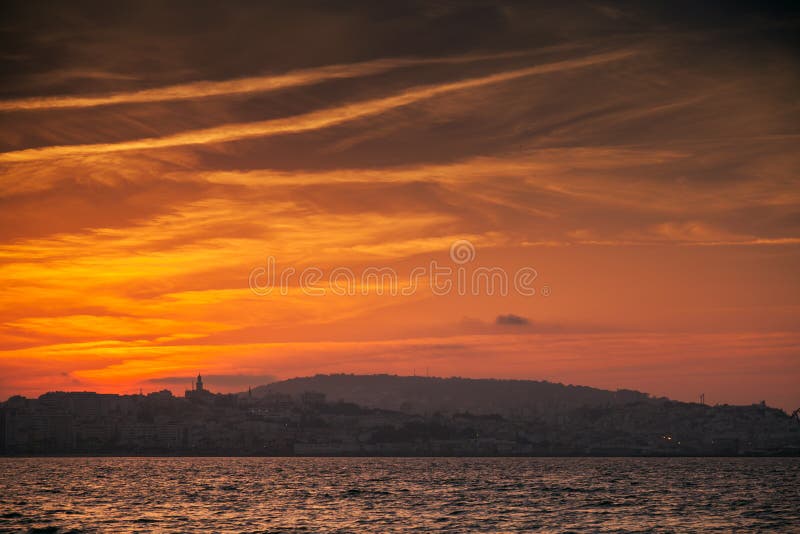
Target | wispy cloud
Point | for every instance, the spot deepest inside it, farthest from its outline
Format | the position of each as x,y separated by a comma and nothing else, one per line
255,84
310,121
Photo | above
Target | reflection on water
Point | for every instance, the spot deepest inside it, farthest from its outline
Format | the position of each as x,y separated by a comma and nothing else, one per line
392,494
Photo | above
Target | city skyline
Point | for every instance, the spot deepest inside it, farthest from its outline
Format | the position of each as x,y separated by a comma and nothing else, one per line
385,415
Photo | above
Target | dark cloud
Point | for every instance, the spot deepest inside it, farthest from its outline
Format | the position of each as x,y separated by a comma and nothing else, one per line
511,320
212,381
67,47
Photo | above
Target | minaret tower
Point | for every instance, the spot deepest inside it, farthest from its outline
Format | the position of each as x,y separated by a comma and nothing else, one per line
199,386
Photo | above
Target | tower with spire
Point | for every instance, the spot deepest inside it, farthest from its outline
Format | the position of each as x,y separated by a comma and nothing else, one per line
198,392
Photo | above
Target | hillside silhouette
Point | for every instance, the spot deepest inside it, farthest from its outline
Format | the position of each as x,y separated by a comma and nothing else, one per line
382,415
481,396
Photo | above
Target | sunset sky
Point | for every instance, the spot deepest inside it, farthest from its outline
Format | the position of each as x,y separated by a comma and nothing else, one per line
643,158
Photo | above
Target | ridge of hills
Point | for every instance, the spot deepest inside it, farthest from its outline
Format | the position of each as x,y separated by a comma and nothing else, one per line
480,396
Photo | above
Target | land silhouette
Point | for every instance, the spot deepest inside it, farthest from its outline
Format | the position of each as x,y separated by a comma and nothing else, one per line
380,415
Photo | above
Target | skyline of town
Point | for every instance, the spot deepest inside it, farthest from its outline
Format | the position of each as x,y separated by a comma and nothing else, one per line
400,416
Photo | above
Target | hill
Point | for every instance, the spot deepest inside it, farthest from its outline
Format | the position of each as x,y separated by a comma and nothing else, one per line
421,395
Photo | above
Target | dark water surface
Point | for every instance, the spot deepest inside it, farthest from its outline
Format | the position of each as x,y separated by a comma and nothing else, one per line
397,494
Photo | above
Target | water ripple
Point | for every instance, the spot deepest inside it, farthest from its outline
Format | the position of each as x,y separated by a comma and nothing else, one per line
62,495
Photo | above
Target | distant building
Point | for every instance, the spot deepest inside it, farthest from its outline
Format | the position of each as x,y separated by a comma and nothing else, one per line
199,393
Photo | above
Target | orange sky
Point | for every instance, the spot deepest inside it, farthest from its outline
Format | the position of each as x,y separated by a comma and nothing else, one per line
648,173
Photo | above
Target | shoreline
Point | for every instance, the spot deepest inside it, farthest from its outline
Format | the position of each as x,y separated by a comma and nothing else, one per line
485,456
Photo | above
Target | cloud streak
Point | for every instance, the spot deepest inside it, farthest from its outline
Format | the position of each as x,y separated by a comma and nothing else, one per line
315,120
254,84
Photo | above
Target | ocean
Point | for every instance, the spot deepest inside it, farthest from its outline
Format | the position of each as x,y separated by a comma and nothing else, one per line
399,494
